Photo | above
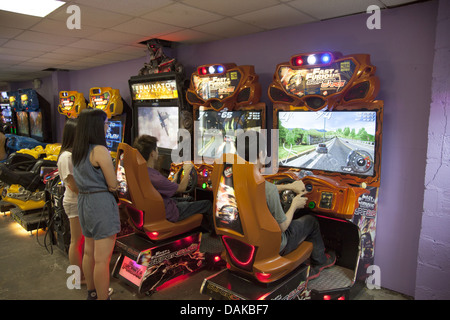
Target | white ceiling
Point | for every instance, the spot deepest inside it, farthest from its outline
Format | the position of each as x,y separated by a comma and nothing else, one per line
112,29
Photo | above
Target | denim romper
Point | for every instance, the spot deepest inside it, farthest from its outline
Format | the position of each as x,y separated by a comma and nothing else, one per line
97,207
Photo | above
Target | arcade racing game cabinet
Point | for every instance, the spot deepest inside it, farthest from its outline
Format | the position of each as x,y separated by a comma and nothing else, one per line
225,98
159,250
329,135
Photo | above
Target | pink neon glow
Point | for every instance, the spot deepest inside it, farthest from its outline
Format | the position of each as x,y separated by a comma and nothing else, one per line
241,263
263,277
153,235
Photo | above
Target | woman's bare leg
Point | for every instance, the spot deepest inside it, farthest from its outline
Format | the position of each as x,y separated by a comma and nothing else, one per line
76,245
103,249
89,263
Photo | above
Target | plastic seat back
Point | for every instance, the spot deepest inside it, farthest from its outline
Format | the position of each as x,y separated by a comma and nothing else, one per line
144,204
250,234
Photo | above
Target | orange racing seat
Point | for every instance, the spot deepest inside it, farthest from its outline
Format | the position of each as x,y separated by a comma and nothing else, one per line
250,234
144,204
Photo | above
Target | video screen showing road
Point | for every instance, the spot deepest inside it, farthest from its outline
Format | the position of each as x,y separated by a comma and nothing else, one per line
336,141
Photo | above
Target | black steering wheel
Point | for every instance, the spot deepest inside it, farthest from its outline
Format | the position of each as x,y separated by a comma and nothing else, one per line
286,196
193,177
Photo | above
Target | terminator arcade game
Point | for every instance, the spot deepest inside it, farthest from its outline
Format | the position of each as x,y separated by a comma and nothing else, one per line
159,110
330,137
225,98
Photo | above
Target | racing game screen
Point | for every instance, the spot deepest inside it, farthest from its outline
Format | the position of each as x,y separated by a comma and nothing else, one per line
336,141
216,132
160,122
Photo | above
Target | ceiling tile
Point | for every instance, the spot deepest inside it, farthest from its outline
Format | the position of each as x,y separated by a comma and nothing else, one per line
33,36
115,37
9,33
228,28
189,36
60,28
94,45
230,7
275,17
25,45
145,27
392,3
182,15
132,51
13,59
92,17
21,52
15,20
137,8
76,52
332,8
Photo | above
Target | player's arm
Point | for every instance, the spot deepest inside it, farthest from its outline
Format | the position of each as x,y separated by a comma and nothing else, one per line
298,202
187,167
297,186
100,157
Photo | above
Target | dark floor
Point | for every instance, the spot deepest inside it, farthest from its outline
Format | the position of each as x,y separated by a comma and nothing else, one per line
30,272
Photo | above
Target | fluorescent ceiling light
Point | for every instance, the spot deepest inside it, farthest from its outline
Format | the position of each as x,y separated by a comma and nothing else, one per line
38,8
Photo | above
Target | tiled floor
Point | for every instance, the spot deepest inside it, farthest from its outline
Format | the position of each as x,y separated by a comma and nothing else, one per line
30,272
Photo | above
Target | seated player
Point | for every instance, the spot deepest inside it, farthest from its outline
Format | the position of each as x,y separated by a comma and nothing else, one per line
175,210
293,231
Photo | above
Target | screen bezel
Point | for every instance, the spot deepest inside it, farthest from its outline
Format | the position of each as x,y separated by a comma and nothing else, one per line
122,131
375,106
259,107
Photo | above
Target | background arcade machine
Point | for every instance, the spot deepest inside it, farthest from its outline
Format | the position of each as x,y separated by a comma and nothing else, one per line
71,103
7,115
330,137
25,188
225,98
110,101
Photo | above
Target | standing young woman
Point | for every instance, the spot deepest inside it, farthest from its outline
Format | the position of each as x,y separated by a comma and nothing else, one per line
70,200
98,211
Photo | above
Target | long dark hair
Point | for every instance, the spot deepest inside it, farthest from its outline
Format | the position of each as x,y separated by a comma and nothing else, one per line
90,130
68,135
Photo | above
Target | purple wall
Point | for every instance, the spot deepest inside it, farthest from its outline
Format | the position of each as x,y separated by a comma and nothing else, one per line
403,52
433,270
